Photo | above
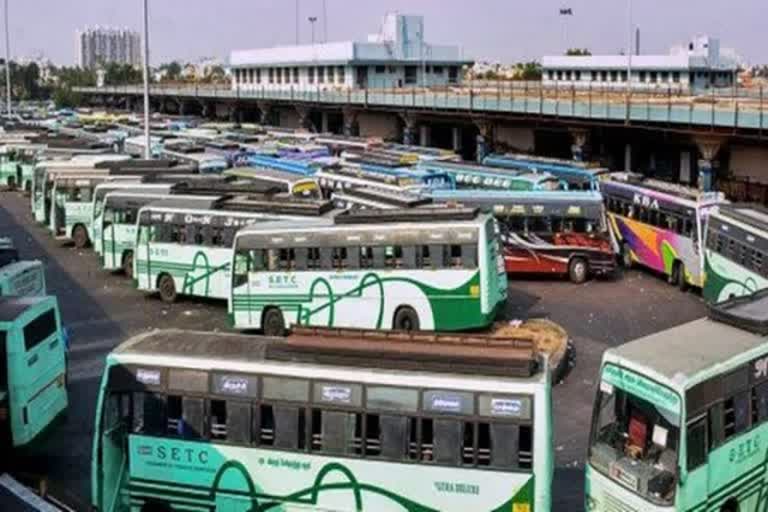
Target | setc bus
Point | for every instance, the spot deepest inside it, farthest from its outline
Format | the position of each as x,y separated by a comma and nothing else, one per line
278,181
33,368
23,279
577,175
473,176
46,170
562,233
322,421
100,194
117,226
184,246
437,269
659,225
681,417
736,256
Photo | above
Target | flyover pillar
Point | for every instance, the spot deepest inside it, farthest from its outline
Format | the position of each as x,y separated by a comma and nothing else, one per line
350,121
628,157
425,135
304,117
265,112
456,139
324,122
409,129
709,147
580,146
484,139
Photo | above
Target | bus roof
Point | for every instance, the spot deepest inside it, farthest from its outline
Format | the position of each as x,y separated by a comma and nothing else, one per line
457,354
184,203
672,191
382,198
406,215
137,199
683,354
12,307
266,174
566,204
753,215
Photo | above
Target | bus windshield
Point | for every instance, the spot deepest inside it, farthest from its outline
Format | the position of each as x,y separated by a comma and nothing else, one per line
635,440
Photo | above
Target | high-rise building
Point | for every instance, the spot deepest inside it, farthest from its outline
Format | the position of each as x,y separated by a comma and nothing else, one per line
99,46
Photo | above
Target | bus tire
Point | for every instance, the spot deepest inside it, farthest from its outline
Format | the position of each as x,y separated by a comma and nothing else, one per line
578,270
730,506
80,236
167,288
405,319
272,322
128,264
626,256
678,276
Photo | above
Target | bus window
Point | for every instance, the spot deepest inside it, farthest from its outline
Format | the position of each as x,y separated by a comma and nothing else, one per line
148,414
366,257
218,419
425,442
339,257
193,416
696,439
289,426
469,256
334,432
3,361
313,258
173,415
238,421
448,441
39,330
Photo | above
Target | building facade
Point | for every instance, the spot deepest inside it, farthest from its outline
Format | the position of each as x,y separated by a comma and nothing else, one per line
695,67
100,46
398,56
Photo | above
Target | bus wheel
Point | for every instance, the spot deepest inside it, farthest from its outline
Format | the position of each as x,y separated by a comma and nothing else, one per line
406,319
128,264
678,276
167,288
80,237
730,506
626,256
273,323
578,270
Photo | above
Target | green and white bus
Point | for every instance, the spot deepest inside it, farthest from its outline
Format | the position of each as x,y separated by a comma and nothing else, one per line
23,278
736,255
72,198
17,164
33,368
100,194
431,269
117,225
46,170
184,246
203,421
681,417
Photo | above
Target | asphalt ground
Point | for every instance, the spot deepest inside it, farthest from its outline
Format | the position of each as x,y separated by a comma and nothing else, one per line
103,309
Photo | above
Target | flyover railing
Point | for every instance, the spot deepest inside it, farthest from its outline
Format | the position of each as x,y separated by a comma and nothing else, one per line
742,109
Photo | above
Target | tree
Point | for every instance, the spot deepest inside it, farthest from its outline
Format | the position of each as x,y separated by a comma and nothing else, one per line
578,52
528,70
116,74
171,71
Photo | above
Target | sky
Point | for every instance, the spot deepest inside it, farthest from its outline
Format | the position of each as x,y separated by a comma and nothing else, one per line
495,30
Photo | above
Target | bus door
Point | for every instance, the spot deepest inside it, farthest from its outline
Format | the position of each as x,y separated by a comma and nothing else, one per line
111,455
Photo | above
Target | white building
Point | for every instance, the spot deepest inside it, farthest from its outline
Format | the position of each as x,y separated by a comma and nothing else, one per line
100,46
396,57
699,65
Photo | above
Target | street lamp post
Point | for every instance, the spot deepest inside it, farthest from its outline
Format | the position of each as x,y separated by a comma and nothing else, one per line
7,63
148,142
629,58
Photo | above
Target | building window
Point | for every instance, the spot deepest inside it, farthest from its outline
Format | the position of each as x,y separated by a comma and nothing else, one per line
271,74
330,71
623,76
559,75
320,74
676,77
295,75
614,76
340,74
380,69
654,77
279,75
642,76
438,70
311,75
550,74
665,76
603,76
453,74
568,75
577,75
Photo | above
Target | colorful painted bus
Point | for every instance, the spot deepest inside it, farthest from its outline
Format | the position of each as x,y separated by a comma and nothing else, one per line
577,175
472,176
33,368
736,256
184,246
213,421
561,233
372,269
681,417
117,225
660,225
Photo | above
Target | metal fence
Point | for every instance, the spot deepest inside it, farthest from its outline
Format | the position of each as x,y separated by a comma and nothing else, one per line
744,190
715,109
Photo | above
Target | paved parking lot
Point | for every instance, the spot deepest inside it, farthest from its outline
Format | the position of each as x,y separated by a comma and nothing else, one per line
102,309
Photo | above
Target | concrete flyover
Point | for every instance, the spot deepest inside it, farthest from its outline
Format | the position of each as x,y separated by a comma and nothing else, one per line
686,138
